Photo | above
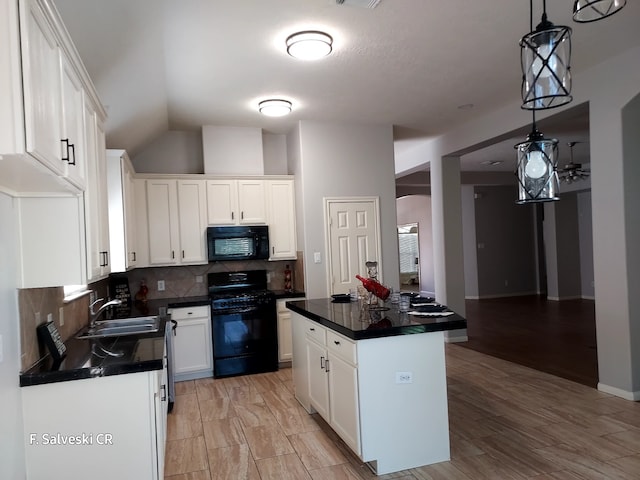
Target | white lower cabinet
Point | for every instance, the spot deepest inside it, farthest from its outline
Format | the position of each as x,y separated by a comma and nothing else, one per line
193,352
100,428
355,386
285,342
333,381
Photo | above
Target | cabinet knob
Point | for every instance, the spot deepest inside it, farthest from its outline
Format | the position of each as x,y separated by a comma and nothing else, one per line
336,342
312,329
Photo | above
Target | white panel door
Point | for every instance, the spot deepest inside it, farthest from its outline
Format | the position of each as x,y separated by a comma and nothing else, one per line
353,241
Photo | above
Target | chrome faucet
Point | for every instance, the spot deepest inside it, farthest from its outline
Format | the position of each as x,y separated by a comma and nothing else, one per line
93,316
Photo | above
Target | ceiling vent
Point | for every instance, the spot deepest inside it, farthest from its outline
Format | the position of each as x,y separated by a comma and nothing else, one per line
359,3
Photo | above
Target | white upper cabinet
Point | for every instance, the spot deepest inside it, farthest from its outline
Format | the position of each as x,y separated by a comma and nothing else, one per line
41,77
281,217
44,86
95,198
73,149
122,224
176,211
236,202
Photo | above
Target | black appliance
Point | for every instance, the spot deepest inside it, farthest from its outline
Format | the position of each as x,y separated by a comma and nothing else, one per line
244,323
238,243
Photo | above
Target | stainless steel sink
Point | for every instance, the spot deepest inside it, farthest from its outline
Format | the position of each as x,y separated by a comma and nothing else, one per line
125,326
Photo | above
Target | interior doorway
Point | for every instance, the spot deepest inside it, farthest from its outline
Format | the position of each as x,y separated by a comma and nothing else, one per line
409,253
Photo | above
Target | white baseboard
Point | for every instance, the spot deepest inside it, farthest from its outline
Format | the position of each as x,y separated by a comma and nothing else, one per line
618,392
500,295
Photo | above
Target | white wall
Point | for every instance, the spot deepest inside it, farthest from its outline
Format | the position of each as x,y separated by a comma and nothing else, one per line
417,209
12,462
172,152
274,149
337,160
585,227
469,243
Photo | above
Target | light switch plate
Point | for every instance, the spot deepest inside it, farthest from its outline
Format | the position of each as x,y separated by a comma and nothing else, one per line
161,285
317,258
1,350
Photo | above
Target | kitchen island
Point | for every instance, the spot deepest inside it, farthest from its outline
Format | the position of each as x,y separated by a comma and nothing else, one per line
377,377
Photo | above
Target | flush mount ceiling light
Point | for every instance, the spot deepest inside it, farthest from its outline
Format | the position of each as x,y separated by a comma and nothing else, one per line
536,169
545,56
309,45
585,11
275,107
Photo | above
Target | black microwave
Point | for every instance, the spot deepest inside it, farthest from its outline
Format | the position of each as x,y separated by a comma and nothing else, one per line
238,243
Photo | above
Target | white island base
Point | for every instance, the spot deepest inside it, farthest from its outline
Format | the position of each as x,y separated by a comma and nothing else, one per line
392,409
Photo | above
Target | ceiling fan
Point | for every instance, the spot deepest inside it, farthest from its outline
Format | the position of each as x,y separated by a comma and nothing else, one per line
572,172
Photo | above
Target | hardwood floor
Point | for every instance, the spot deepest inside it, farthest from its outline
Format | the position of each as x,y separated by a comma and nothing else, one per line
554,337
507,421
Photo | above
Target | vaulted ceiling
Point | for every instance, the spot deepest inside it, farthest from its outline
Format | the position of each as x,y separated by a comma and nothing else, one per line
164,65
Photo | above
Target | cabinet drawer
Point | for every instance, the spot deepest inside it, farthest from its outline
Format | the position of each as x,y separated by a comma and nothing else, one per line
342,347
189,312
316,332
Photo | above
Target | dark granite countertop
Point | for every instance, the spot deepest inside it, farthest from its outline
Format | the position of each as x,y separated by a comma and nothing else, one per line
86,359
284,294
354,320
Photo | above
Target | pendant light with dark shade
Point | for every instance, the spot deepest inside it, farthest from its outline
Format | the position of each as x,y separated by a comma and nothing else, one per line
536,168
545,55
585,11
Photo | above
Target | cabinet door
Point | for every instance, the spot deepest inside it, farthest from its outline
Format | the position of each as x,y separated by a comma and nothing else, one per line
285,343
162,221
318,383
251,202
299,362
343,401
41,79
161,401
222,202
192,346
130,230
281,219
73,151
192,220
92,198
103,189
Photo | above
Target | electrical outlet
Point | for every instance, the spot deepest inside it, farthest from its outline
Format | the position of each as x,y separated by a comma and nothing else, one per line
199,279
1,352
61,316
161,285
317,258
38,318
404,377
49,317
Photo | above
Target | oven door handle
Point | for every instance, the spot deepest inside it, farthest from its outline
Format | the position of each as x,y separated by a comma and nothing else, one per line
235,310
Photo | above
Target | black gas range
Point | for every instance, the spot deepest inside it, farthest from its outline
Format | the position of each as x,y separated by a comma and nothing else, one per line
244,323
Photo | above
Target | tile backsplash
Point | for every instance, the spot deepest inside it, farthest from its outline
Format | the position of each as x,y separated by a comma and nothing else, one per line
191,280
37,304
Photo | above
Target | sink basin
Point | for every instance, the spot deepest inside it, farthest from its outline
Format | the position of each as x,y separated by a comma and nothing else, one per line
125,326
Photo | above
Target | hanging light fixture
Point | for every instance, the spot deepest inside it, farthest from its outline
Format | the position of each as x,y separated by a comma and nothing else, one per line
275,107
536,168
585,11
545,58
309,45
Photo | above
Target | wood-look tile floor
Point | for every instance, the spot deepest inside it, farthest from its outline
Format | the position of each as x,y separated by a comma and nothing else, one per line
507,421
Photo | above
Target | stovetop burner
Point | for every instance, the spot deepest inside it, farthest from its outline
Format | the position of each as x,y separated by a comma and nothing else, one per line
239,289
